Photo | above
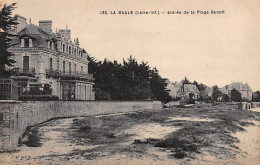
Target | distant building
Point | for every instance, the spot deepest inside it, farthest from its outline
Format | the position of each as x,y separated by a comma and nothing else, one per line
46,57
178,90
172,90
208,91
244,89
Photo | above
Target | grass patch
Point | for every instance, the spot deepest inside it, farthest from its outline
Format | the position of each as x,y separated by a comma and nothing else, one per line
146,141
190,139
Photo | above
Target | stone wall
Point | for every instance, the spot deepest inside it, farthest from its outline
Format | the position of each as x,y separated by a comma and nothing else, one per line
15,116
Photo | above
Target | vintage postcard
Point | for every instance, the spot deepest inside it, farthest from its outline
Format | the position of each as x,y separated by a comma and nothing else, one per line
129,82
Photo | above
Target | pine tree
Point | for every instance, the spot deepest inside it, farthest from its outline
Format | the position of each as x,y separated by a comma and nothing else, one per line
6,23
235,95
216,93
127,81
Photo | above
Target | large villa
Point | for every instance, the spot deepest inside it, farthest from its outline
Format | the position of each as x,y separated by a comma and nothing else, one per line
46,57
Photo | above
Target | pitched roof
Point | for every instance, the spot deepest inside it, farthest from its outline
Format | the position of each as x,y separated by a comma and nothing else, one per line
32,29
190,87
237,86
240,86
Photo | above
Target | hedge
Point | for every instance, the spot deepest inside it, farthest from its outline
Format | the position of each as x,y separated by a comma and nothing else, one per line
38,97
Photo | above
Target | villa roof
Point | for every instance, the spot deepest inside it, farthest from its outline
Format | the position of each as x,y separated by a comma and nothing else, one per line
32,29
190,87
237,86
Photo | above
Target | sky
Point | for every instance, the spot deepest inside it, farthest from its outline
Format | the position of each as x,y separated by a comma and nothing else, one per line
211,49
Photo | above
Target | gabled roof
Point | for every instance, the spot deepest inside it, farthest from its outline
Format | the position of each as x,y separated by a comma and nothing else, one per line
190,87
27,35
178,86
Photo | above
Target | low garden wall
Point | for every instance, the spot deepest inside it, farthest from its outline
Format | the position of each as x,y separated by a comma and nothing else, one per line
16,116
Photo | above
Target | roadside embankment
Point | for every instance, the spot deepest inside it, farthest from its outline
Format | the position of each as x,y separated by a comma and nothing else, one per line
15,117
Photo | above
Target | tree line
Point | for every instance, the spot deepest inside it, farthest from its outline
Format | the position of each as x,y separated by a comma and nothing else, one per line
129,80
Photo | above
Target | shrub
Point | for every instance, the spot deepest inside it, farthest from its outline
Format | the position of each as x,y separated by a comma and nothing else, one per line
102,95
35,90
85,128
33,138
235,96
47,90
191,101
38,97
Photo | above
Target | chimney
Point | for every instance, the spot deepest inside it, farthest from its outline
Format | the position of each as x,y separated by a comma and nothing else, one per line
77,41
65,33
45,25
21,23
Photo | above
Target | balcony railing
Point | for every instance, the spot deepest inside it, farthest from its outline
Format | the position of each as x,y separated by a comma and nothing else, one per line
24,72
69,75
52,73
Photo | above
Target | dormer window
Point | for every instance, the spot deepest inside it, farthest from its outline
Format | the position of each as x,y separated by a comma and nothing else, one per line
80,54
50,45
75,51
63,48
26,42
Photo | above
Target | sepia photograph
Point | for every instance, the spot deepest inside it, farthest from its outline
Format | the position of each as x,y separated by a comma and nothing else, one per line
129,82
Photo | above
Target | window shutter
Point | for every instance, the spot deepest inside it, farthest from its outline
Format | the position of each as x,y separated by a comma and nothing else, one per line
30,43
22,42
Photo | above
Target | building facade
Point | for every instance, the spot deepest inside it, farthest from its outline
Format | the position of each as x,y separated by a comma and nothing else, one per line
179,90
244,89
46,57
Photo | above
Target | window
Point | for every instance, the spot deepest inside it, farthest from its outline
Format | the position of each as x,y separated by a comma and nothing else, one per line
75,51
25,64
81,68
80,54
58,64
50,63
63,48
75,68
64,66
69,67
54,45
69,49
26,43
51,43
